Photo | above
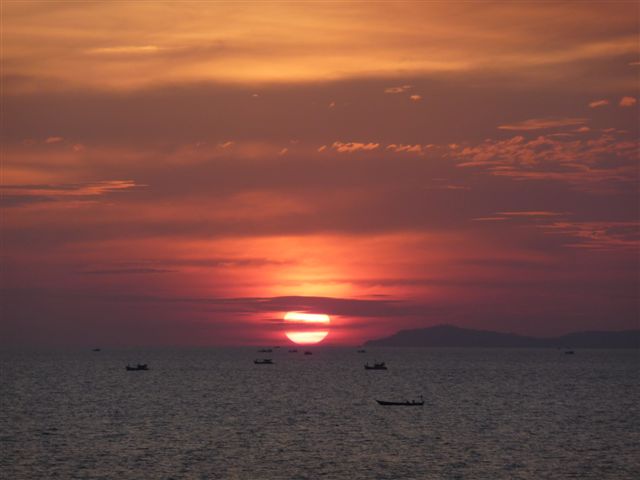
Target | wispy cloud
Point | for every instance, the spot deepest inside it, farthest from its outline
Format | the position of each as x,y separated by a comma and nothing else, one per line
351,147
127,271
598,235
417,148
595,163
521,215
531,213
16,195
543,124
628,101
124,49
598,103
399,89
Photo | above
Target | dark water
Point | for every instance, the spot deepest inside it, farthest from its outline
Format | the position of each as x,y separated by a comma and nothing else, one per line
212,413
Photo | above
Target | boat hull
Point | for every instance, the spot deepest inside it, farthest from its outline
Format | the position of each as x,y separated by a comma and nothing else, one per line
400,404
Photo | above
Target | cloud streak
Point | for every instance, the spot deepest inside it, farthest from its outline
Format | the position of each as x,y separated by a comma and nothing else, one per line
543,124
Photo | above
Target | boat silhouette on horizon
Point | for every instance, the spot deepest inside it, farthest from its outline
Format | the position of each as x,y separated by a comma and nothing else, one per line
137,368
375,366
264,361
406,403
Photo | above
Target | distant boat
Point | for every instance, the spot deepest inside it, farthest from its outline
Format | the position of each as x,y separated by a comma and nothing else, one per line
569,352
293,350
265,350
362,351
140,366
308,353
406,403
375,366
96,350
264,361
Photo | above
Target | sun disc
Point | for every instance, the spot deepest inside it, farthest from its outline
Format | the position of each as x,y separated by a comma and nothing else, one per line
302,328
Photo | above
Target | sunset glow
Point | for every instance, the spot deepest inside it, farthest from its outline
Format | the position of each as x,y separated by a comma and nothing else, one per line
187,172
313,318
307,338
309,321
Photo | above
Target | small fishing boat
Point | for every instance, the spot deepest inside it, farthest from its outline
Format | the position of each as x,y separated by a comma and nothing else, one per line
308,353
265,350
137,368
406,403
569,352
264,361
362,350
375,366
96,350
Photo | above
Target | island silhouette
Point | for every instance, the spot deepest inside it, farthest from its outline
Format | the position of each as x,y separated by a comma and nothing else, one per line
453,336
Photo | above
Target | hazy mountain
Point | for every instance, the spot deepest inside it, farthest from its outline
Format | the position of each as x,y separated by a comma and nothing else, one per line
451,336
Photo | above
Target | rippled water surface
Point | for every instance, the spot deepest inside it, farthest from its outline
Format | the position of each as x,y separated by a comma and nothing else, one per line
212,413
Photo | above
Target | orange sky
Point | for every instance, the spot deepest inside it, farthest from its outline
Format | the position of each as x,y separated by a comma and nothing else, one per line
187,172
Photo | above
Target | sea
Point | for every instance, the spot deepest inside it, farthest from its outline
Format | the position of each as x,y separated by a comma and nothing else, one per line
211,413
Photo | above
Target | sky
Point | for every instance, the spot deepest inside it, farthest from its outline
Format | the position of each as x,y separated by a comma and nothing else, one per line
186,173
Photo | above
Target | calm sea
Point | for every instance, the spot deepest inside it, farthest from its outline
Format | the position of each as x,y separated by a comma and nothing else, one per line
212,413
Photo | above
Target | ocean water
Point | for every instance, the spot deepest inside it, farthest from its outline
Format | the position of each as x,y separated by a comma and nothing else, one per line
213,414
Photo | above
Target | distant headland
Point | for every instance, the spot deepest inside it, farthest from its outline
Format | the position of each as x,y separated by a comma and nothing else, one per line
452,336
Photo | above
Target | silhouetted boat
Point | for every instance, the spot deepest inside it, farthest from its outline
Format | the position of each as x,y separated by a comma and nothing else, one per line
569,352
265,350
406,403
264,361
375,366
96,350
140,366
362,351
308,353
293,350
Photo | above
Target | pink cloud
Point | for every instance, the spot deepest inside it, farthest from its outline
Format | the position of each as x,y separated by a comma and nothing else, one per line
543,124
54,140
399,89
531,213
405,148
586,163
354,146
15,195
597,235
416,98
628,101
598,103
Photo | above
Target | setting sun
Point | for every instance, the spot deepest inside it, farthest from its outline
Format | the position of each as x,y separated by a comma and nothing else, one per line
305,325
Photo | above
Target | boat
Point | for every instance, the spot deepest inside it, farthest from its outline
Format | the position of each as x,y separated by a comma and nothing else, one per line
308,353
569,352
406,403
140,366
362,350
96,350
265,350
375,366
264,361
293,350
